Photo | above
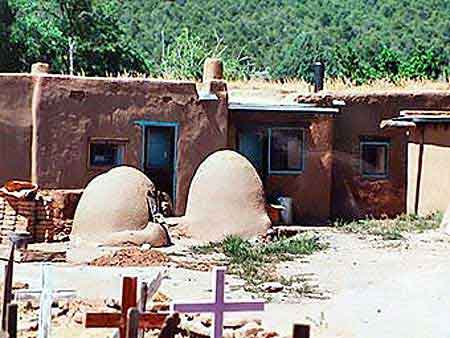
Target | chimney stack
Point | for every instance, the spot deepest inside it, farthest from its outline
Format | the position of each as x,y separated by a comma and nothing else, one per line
212,70
40,68
319,75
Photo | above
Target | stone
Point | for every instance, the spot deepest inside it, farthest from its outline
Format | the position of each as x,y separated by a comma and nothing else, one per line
272,287
195,326
78,317
226,197
250,329
145,247
20,285
112,303
27,326
446,221
236,323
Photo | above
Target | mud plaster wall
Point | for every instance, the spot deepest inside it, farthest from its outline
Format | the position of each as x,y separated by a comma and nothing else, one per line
16,93
311,189
354,196
434,193
72,110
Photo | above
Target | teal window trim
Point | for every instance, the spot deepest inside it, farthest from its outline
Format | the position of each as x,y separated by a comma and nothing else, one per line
387,145
303,150
144,124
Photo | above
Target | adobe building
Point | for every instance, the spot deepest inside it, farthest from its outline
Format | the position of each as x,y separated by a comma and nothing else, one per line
428,158
326,151
375,170
60,131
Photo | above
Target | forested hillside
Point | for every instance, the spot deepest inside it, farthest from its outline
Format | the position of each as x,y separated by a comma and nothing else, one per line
357,39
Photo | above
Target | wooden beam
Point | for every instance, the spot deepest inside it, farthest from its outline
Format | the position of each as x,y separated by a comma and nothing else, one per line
132,323
12,320
301,331
107,320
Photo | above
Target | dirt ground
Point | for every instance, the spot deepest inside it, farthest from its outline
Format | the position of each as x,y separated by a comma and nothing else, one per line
364,287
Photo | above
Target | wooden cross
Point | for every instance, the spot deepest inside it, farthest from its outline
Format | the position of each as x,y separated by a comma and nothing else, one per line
147,320
219,306
7,285
301,331
47,294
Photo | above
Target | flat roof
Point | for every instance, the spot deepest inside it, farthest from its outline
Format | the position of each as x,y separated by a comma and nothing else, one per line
288,108
424,116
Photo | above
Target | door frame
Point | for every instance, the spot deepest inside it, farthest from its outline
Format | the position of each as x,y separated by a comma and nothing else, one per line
144,124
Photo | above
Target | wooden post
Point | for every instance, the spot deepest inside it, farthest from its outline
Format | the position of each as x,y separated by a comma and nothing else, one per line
119,320
170,327
143,294
301,331
12,320
7,285
132,323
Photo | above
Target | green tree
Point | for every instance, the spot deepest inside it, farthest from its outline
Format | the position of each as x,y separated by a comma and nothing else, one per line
8,56
44,28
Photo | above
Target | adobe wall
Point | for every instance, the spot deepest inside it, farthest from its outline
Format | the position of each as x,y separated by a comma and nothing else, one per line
354,196
16,93
311,189
70,110
434,192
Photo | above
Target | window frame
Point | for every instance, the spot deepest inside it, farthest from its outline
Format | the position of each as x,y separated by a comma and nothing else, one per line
121,142
387,145
269,149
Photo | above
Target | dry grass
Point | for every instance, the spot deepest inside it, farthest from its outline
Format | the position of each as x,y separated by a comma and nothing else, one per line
301,86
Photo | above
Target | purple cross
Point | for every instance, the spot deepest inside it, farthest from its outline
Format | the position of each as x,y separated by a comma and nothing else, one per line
219,306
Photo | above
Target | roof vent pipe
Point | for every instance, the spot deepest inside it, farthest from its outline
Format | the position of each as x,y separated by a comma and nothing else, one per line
319,75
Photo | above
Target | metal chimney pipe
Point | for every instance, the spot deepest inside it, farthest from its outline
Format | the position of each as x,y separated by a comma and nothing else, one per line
319,76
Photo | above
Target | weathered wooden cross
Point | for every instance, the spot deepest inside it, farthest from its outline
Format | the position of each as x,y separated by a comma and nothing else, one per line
301,331
47,295
147,320
219,306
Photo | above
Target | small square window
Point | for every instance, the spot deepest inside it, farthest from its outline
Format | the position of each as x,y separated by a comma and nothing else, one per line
374,158
286,150
106,153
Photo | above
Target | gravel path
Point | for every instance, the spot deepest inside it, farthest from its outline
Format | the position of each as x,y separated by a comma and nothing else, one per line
372,288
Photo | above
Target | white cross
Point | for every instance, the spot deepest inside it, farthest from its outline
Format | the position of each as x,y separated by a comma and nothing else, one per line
219,306
45,306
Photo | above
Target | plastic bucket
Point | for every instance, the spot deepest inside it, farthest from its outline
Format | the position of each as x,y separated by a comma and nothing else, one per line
287,216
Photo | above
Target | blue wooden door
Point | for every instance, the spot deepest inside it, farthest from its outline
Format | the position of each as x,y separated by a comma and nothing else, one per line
251,145
159,157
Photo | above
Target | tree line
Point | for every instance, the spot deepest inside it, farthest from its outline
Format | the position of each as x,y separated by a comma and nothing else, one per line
359,40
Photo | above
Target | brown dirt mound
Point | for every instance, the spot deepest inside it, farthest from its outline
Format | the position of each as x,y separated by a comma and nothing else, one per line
132,257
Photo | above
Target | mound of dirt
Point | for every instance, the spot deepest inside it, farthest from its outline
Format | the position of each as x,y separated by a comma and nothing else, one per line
132,257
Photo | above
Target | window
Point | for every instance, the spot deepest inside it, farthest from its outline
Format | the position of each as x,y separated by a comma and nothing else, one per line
286,150
374,158
106,153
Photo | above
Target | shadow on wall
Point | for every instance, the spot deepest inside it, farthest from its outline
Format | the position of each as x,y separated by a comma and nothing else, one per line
355,196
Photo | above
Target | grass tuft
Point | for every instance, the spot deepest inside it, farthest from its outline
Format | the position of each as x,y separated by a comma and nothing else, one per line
255,262
393,229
